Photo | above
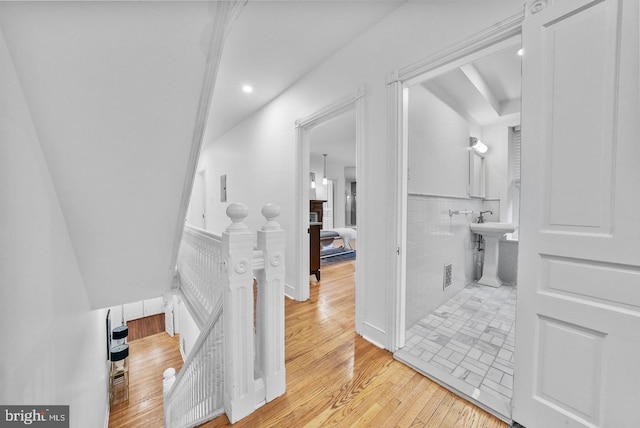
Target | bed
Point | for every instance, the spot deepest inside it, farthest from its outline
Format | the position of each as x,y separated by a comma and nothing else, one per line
327,238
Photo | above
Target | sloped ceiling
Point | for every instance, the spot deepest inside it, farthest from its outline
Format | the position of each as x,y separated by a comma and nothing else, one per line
113,89
275,43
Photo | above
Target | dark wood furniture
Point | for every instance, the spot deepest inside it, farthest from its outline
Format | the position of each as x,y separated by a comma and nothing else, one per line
315,224
315,206
314,249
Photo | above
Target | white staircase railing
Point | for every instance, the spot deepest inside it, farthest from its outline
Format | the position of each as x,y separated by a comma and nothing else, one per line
201,267
225,371
197,393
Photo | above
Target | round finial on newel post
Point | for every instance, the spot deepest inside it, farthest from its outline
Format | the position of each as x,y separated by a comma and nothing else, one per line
270,212
237,212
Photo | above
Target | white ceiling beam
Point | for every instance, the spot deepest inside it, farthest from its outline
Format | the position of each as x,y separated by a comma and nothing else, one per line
482,87
443,95
510,106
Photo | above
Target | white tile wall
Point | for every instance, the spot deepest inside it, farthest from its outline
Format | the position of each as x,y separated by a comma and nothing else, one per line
434,239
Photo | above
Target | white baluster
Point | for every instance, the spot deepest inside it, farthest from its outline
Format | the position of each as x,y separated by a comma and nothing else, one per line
270,307
239,397
168,379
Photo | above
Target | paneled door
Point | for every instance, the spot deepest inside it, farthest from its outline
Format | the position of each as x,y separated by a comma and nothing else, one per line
577,361
327,207
168,318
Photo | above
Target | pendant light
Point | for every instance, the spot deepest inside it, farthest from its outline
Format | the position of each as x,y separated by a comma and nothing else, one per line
324,177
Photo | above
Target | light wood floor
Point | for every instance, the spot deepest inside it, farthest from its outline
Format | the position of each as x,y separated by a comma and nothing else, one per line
148,359
334,377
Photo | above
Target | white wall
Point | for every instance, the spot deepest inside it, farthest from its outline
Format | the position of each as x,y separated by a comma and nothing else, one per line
113,90
188,328
434,239
438,146
52,345
260,158
438,150
497,164
117,316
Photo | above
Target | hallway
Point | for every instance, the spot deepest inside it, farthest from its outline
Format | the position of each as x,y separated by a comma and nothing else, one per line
334,377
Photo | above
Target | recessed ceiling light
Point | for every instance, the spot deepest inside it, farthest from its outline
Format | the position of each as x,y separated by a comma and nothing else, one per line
520,51
247,89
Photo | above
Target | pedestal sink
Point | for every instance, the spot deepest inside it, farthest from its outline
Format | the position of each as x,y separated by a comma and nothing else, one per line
491,232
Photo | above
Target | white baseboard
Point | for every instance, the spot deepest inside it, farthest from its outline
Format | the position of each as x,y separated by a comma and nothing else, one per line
373,334
289,291
107,413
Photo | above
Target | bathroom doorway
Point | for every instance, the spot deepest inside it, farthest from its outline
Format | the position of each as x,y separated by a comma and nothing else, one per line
451,328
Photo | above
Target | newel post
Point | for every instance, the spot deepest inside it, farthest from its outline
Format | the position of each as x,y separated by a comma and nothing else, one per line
270,307
239,387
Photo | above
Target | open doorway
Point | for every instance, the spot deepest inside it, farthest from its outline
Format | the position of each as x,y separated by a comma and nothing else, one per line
455,325
319,129
333,163
197,210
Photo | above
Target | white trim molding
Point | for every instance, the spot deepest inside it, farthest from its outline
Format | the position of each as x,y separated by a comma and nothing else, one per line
493,36
329,112
303,126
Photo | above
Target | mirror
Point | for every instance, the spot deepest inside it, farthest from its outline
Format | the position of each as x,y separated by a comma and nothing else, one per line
476,174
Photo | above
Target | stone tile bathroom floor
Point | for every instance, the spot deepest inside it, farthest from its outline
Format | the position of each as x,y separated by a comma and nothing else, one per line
470,337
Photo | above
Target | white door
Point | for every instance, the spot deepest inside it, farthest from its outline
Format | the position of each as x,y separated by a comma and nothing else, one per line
196,214
168,318
327,207
578,312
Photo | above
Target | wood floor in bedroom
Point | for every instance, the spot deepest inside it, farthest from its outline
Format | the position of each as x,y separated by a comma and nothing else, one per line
336,378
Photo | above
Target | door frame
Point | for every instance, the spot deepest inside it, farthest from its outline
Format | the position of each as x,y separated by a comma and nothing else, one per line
197,207
495,37
331,201
303,128
202,175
